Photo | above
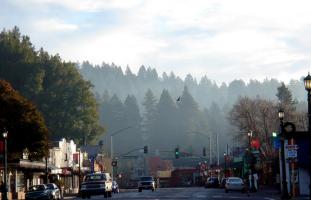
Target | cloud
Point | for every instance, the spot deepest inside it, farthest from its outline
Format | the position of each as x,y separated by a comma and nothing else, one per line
54,25
87,5
224,39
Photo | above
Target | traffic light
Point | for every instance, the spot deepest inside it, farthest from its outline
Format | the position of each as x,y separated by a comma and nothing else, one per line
114,163
145,149
204,151
176,152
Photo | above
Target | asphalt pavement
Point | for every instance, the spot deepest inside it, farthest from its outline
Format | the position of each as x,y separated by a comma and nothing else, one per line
190,193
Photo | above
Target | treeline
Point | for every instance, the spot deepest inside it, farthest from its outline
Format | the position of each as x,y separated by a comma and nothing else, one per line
111,78
207,112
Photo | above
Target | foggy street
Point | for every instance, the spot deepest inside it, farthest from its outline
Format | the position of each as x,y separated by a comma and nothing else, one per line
190,193
114,99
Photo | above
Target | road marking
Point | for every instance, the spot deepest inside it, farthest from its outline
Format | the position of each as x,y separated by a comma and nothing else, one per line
230,197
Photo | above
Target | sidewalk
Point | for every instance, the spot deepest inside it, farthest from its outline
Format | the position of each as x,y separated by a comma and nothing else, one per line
275,193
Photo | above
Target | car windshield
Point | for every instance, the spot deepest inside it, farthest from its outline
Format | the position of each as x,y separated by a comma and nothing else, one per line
235,180
147,178
95,177
36,188
50,186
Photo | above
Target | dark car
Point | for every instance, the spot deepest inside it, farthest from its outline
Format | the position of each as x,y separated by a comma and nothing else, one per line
115,187
146,182
38,192
96,184
212,182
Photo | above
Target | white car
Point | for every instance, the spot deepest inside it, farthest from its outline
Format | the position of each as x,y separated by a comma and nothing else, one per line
235,183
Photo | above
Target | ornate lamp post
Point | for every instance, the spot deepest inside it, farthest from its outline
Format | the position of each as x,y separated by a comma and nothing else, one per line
111,145
284,181
307,82
225,157
5,136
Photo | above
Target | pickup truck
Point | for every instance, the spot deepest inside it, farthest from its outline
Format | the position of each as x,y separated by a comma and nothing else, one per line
96,184
146,182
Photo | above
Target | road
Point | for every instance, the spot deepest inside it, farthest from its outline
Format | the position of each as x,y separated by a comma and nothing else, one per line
188,193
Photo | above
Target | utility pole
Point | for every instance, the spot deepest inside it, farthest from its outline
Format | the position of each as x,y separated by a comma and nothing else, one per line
210,151
217,149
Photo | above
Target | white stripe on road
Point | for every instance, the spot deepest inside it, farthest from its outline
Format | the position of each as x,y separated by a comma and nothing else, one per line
236,197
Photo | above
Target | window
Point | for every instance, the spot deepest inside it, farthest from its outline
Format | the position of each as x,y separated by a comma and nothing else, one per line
95,177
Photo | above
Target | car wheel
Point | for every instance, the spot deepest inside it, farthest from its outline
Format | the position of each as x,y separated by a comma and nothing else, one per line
139,190
110,194
226,190
83,196
88,196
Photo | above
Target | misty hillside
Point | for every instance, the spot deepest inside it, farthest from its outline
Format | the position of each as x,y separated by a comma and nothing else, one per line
112,79
148,104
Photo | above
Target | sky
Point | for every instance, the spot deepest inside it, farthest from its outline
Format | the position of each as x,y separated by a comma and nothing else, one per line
222,39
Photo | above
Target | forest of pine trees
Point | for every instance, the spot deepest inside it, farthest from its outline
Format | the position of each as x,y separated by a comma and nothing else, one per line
163,123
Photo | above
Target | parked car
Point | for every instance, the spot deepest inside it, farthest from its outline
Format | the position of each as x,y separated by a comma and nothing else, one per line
235,183
212,182
42,192
96,184
55,191
115,187
146,182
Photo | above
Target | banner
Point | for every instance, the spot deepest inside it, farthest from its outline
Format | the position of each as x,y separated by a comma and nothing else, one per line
75,158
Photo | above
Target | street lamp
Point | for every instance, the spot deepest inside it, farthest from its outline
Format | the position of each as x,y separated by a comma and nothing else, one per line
307,82
111,144
285,194
5,136
210,145
225,157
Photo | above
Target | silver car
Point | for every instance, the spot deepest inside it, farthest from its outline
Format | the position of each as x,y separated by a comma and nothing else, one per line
235,183
55,191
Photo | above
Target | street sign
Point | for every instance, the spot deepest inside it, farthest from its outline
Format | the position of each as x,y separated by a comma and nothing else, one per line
276,143
292,153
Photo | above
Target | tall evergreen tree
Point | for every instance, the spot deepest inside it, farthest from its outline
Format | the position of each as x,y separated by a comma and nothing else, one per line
188,117
133,137
149,115
286,101
165,123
